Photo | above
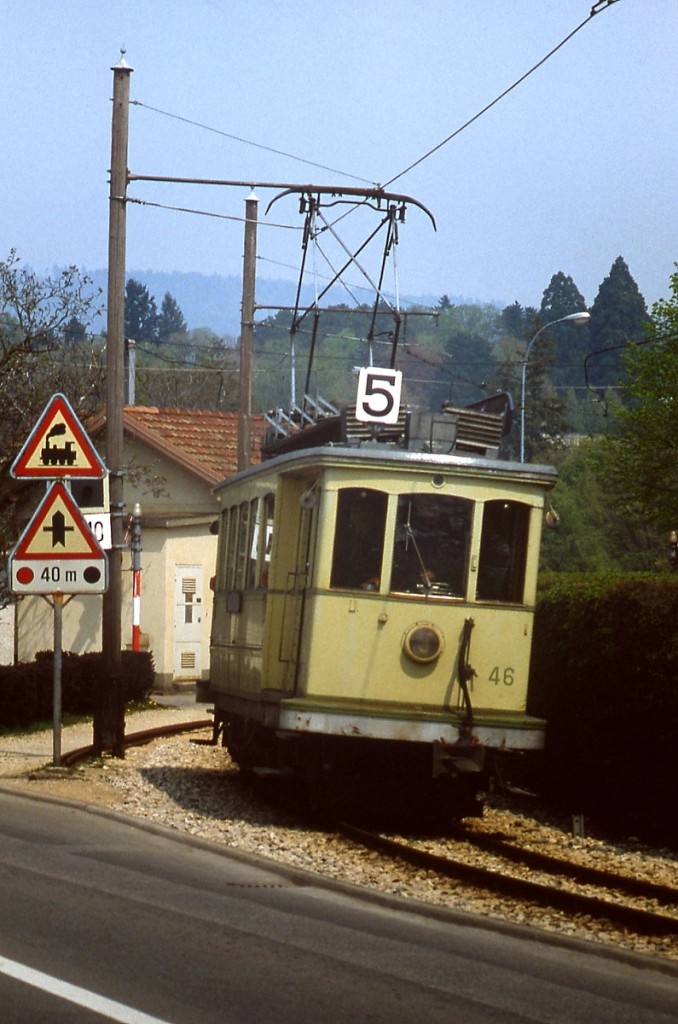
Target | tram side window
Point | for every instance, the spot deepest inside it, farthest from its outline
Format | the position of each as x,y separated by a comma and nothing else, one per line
267,538
243,546
231,540
432,540
358,539
253,542
221,575
503,552
261,533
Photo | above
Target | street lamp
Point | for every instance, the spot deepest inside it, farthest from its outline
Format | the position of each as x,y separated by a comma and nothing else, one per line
571,318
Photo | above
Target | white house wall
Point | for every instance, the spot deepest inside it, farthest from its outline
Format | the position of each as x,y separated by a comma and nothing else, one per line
186,546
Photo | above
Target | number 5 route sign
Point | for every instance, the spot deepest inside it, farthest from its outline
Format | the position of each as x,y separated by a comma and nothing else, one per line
378,399
57,553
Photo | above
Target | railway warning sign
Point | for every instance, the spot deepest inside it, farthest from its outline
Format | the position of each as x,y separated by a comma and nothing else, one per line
58,447
57,552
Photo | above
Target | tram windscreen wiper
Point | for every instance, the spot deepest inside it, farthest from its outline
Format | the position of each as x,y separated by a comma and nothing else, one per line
425,574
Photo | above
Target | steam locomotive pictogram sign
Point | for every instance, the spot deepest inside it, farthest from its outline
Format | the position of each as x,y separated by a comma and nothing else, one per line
58,447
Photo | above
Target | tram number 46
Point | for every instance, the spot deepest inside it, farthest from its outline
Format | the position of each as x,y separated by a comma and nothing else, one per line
378,398
505,676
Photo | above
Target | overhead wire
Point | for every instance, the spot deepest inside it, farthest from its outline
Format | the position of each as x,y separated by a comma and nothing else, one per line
249,142
206,213
596,9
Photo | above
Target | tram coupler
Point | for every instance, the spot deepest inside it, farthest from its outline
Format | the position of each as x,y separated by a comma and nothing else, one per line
457,758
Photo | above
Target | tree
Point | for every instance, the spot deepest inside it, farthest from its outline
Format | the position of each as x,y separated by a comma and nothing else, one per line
75,333
200,373
561,298
545,420
512,321
171,321
618,316
641,459
594,534
451,361
41,352
141,313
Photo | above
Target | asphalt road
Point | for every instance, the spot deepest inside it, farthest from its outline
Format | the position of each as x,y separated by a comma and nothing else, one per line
105,920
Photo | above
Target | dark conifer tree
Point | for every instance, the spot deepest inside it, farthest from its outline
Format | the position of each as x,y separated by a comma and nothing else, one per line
571,341
74,333
141,313
618,316
512,320
171,320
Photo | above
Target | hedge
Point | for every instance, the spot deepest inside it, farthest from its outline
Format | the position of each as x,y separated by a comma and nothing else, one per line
26,690
605,676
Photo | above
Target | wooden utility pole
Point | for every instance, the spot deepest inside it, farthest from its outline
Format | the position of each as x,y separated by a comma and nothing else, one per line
247,332
109,718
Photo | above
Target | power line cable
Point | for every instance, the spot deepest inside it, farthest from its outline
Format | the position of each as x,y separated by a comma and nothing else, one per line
596,9
248,142
207,213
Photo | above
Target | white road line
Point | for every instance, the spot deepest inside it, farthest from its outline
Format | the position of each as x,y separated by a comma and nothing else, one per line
80,996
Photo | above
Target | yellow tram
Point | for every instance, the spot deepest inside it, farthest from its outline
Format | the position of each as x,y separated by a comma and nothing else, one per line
373,606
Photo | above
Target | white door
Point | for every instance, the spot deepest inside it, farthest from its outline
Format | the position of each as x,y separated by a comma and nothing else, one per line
187,621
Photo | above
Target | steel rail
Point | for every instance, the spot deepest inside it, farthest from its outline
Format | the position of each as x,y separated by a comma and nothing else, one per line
138,739
636,919
581,873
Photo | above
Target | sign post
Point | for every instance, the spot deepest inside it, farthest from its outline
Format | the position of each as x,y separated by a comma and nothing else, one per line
56,681
57,554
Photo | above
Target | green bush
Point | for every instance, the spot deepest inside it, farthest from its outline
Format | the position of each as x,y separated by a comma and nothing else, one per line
27,690
605,676
19,696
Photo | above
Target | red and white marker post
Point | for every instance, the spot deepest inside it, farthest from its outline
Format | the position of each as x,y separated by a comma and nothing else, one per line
136,577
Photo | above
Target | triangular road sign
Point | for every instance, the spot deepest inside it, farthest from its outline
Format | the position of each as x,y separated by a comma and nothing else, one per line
57,531
58,447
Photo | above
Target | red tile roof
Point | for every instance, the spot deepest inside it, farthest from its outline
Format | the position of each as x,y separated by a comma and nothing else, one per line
205,443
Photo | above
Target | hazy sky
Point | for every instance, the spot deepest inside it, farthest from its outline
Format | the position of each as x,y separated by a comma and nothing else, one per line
572,169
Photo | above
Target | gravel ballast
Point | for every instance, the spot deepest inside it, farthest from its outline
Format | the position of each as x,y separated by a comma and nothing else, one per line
195,789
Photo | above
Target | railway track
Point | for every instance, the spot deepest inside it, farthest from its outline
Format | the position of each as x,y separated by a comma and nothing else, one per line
607,903
137,739
611,901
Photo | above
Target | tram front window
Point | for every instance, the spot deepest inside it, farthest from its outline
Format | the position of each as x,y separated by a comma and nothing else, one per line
358,539
503,552
432,537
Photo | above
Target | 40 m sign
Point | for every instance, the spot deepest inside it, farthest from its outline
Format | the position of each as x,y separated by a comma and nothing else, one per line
57,553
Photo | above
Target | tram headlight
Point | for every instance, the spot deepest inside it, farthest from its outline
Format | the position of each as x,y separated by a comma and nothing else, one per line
423,642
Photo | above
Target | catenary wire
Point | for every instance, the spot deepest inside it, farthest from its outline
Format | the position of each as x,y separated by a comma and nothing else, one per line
594,10
207,213
248,142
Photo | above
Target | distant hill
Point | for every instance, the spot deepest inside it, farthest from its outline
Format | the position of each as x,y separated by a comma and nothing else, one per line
214,301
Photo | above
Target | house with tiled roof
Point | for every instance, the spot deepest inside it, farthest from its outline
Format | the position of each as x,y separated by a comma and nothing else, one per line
173,460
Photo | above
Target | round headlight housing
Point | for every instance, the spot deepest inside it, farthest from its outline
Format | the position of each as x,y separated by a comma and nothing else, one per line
423,643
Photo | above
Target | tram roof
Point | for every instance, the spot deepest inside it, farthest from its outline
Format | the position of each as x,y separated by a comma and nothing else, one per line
385,457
